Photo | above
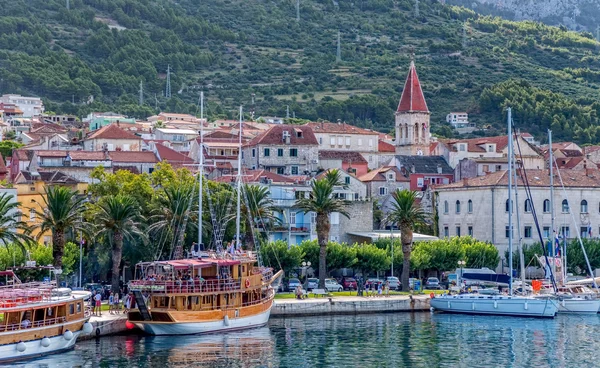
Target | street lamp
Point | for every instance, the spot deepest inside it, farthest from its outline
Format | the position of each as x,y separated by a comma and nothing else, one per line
461,264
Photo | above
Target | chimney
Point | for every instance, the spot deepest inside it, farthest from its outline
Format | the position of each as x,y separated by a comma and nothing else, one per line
439,168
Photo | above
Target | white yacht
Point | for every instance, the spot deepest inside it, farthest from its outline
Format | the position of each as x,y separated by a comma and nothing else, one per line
503,305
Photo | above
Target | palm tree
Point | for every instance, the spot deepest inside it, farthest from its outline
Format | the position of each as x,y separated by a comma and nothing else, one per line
11,224
118,217
257,207
322,202
62,211
407,214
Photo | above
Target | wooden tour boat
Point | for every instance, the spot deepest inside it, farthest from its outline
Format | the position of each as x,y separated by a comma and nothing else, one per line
37,318
216,292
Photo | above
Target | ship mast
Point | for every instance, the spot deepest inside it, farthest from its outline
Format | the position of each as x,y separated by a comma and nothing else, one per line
201,169
239,186
510,204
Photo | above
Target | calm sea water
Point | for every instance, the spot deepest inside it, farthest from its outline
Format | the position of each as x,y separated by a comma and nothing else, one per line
383,340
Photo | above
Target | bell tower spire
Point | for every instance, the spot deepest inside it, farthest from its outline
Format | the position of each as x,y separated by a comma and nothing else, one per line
412,118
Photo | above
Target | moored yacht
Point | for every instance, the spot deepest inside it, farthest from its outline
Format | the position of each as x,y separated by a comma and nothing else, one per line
503,305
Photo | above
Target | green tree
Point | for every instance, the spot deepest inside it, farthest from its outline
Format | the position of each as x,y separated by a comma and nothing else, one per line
371,259
63,211
322,202
7,147
257,211
278,256
406,213
118,218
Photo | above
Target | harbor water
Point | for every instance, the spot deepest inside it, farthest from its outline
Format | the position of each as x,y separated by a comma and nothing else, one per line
378,340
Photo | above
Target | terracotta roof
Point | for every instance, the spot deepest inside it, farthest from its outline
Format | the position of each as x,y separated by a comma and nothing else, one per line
590,149
274,136
219,134
379,175
475,144
133,156
345,156
3,169
47,128
22,154
571,162
339,128
172,156
255,176
537,178
412,99
571,153
111,131
47,177
386,147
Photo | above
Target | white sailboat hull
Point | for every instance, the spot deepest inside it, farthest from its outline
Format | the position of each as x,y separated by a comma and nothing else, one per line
34,348
495,305
189,328
579,306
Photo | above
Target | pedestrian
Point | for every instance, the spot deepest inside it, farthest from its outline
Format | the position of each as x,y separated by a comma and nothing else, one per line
387,288
379,288
367,289
127,302
111,303
93,302
116,303
98,299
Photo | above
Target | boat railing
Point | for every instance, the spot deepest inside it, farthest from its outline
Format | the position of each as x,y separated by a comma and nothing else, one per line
36,324
183,287
22,294
267,273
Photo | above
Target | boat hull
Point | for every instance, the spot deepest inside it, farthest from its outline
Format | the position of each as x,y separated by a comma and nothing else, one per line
34,348
495,305
579,306
189,328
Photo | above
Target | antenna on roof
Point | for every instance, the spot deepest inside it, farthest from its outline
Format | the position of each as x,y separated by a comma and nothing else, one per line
168,89
141,97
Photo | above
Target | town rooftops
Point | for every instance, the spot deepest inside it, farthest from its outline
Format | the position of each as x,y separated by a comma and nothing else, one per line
111,131
75,155
56,177
133,156
173,157
589,178
424,164
412,99
384,146
379,175
345,156
339,128
276,135
258,176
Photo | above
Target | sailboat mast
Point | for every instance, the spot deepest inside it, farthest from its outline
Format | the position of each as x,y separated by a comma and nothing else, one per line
201,169
510,204
239,187
519,237
552,239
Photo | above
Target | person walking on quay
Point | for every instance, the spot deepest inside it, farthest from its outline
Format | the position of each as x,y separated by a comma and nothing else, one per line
98,299
111,302
126,303
379,288
386,288
93,302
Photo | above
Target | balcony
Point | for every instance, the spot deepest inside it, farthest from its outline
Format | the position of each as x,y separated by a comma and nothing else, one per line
298,228
284,203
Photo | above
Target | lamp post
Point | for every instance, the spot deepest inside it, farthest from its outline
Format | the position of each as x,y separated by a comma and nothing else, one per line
461,264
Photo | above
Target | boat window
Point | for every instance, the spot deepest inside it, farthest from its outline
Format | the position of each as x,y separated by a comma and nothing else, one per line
71,308
78,307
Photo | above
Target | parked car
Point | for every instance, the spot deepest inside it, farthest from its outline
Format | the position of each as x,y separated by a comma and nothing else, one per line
432,283
411,283
349,283
395,283
293,284
312,283
332,285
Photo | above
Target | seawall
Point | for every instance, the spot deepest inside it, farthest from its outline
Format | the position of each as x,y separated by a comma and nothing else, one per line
349,305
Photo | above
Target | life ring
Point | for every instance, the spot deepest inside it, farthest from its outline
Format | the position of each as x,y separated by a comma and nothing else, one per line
247,283
432,295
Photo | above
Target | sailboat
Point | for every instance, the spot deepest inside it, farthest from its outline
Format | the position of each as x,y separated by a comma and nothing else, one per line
504,305
212,291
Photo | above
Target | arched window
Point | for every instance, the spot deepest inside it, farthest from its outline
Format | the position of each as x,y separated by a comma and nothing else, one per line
584,208
457,206
565,206
470,206
527,205
506,206
546,206
445,206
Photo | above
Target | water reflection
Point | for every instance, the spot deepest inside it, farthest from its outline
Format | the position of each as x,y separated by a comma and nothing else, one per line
389,340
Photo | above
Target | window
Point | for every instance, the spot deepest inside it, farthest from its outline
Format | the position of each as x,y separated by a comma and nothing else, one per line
527,232
293,152
78,307
313,218
565,231
360,141
506,231
546,206
279,152
253,152
527,205
583,232
335,218
470,230
340,141
281,170
457,206
506,205
382,191
294,170
445,206
293,218
332,141
458,231
419,182
32,215
347,141
446,231
370,142
347,180
298,133
584,207
71,308
486,168
320,140
462,147
546,232
565,206
267,152
470,206
490,148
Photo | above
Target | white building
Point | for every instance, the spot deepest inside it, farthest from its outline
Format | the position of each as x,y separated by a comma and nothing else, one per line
457,118
30,106
479,206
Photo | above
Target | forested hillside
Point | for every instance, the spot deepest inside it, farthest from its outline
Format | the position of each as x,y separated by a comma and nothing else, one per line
234,50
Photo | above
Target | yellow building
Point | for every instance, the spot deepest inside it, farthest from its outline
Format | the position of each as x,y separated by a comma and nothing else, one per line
30,188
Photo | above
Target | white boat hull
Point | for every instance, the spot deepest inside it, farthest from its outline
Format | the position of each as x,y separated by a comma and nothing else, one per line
34,348
188,328
579,306
495,305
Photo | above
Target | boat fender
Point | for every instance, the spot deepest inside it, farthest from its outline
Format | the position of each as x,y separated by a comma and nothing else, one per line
226,320
97,331
45,342
431,309
21,346
87,328
68,335
432,295
247,283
